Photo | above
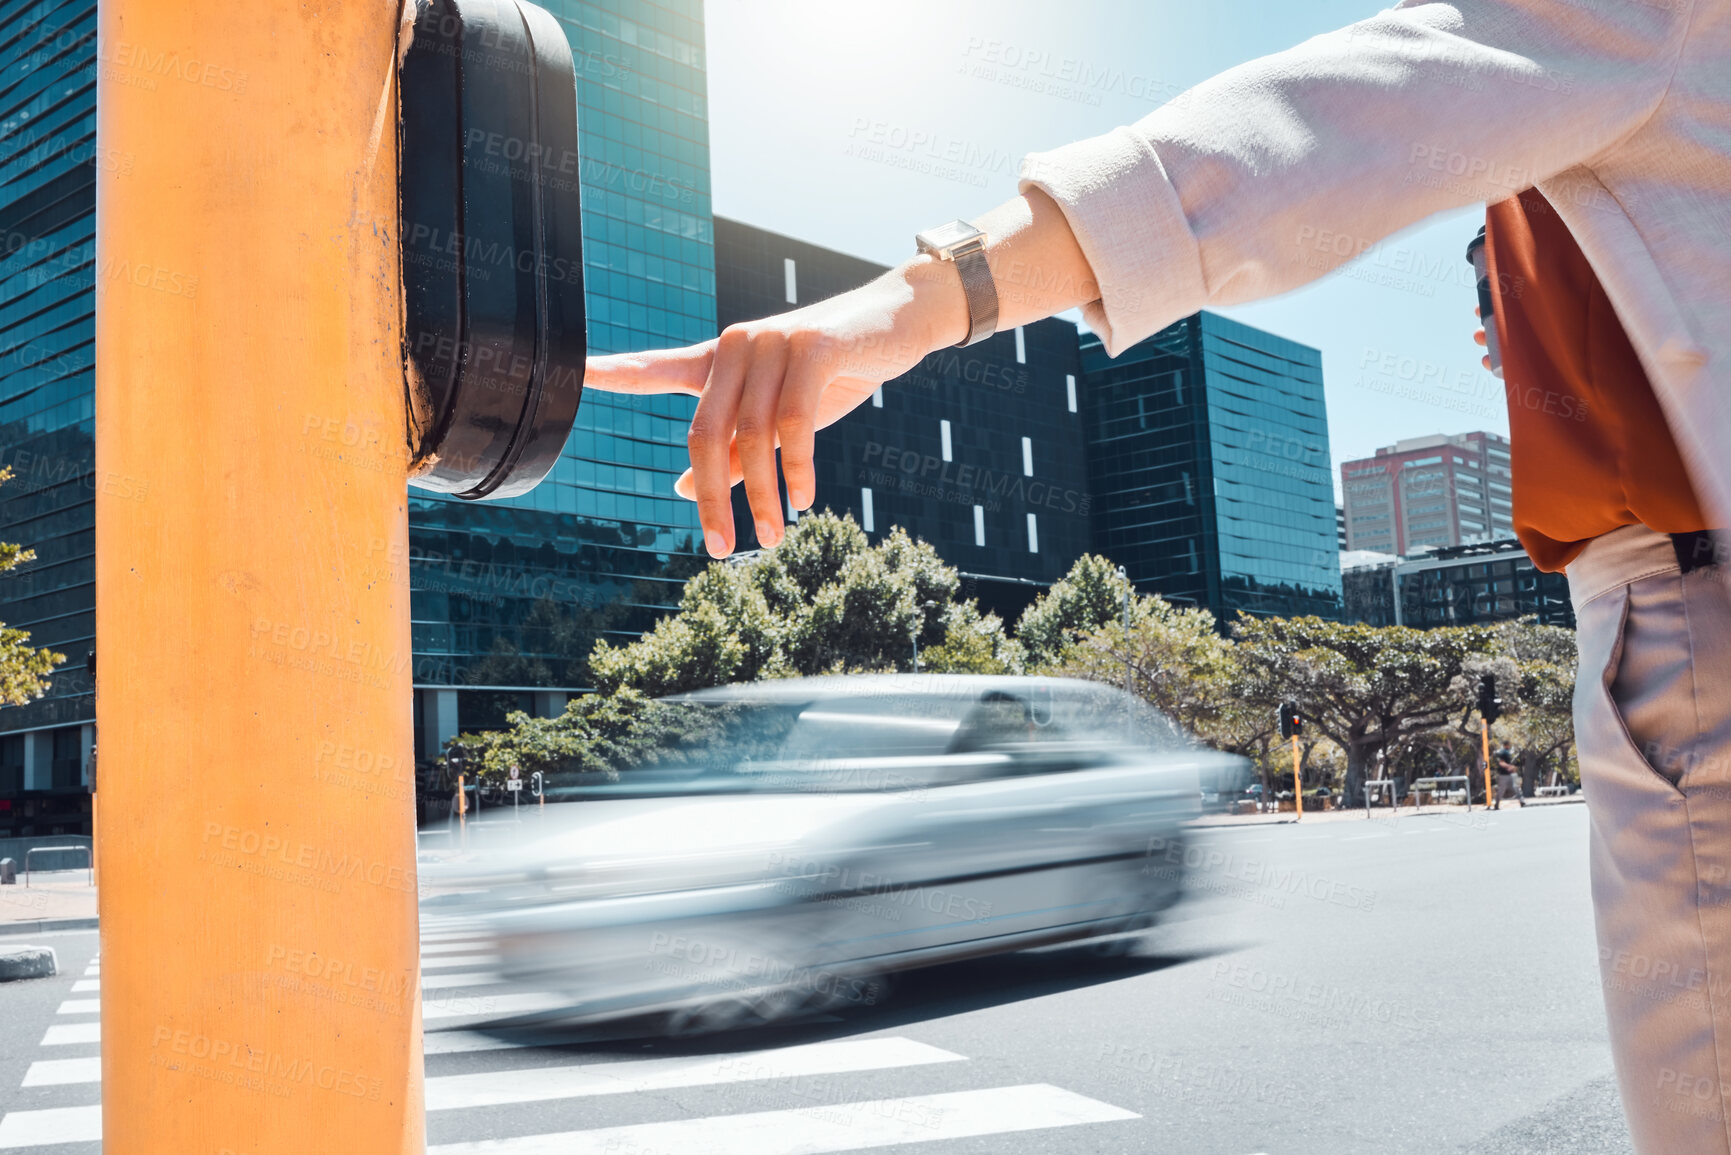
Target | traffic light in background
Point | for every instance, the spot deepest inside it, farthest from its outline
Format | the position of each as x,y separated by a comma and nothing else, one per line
1291,725
1490,706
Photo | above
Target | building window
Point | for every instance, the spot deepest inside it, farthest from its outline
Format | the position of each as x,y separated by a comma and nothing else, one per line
1027,457
944,435
1033,535
1070,390
1021,348
979,525
791,281
878,397
867,521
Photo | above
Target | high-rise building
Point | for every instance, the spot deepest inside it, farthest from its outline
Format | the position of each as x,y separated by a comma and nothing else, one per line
508,596
1429,493
1454,586
979,450
1209,467
48,270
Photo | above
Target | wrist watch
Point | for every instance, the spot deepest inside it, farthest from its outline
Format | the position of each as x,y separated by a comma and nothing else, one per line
965,245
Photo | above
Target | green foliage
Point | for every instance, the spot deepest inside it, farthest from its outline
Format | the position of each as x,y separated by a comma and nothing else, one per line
1090,596
25,670
597,734
826,600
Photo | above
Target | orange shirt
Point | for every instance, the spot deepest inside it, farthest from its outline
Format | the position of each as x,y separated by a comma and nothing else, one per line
1589,447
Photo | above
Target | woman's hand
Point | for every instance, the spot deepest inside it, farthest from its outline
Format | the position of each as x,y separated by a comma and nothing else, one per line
775,382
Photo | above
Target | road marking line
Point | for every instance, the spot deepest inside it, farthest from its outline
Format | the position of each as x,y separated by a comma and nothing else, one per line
522,1004
80,1007
54,1072
1356,837
467,979
448,962
72,1033
469,943
54,1125
492,1088
816,1130
86,985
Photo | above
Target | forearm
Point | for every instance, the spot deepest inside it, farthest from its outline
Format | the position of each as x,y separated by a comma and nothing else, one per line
1037,268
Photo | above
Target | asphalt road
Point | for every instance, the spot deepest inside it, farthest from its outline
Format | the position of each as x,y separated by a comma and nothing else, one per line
1426,985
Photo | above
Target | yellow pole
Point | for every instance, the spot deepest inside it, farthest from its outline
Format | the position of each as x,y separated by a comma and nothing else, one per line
1297,781
258,906
1485,734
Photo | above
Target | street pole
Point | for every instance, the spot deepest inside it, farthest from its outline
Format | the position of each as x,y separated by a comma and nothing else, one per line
1485,734
251,507
1129,668
1297,782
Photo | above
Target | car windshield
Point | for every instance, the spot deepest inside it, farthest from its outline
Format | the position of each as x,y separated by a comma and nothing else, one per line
872,738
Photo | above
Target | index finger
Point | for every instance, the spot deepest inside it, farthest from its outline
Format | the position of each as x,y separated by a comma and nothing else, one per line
655,371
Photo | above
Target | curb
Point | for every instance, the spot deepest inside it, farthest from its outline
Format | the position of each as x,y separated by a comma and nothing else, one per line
45,925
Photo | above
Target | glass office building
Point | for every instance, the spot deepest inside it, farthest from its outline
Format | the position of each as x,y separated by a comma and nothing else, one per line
510,596
48,161
1459,585
978,451
1209,467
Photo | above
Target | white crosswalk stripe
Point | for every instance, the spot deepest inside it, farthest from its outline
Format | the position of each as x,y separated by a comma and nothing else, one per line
817,1130
53,1125
536,1084
834,1126
60,1036
454,946
468,1006
55,1072
467,979
451,962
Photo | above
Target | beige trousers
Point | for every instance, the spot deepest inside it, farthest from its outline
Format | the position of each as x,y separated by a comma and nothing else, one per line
1653,727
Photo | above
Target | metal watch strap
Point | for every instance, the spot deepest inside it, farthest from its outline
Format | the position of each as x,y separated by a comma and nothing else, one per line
981,291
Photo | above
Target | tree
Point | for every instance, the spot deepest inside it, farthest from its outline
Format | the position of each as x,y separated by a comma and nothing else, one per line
1544,661
1175,659
1364,687
824,601
1090,596
597,734
25,670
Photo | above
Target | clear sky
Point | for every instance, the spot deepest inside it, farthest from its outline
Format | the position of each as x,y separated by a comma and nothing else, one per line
798,89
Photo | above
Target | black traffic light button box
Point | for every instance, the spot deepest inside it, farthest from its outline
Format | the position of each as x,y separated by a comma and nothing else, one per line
492,245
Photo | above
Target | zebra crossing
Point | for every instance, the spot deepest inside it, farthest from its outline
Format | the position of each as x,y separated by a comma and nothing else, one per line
518,1081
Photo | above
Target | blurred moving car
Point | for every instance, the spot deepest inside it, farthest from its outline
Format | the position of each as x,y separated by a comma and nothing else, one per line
821,833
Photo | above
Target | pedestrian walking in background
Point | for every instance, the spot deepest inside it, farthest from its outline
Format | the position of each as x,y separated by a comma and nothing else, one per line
1508,786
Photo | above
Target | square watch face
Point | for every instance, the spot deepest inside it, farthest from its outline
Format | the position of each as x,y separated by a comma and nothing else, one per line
947,236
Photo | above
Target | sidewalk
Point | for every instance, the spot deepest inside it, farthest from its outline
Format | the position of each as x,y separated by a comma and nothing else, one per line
54,900
1380,813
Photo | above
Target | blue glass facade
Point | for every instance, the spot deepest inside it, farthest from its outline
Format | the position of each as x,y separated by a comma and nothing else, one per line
1209,466
47,276
510,596
978,451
